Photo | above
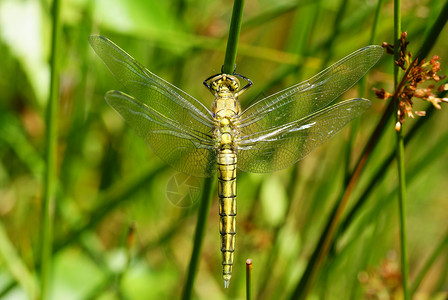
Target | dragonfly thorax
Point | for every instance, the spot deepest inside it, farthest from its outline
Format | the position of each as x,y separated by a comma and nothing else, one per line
225,110
225,88
226,134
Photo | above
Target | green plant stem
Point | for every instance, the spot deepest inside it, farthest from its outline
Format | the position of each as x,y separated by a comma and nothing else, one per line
402,211
430,40
380,174
354,129
50,160
117,195
375,21
432,258
323,245
326,237
271,260
114,197
355,124
128,246
228,67
336,28
437,252
198,237
234,33
249,272
418,168
15,265
400,154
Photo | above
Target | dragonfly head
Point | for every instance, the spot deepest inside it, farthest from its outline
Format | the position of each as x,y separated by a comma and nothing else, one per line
223,83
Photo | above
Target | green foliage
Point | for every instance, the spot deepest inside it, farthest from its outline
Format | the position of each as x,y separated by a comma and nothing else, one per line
108,179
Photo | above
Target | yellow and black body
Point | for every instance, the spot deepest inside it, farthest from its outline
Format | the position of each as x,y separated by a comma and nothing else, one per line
226,110
271,134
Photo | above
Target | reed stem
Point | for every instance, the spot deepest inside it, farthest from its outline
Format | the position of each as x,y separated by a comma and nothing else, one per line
228,67
400,154
438,251
48,204
234,34
199,234
249,279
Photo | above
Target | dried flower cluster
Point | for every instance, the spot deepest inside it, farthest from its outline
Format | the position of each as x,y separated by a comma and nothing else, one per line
415,74
383,282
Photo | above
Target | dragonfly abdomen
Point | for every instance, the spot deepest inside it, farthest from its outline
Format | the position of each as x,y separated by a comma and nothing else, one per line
227,209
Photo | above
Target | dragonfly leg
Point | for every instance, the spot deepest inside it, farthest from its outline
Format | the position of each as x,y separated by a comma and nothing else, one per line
248,85
206,81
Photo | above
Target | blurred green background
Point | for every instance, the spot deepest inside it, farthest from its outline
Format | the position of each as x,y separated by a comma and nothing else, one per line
109,181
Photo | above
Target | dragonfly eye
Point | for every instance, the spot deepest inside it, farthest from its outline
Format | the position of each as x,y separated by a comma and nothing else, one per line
227,81
232,83
234,86
223,82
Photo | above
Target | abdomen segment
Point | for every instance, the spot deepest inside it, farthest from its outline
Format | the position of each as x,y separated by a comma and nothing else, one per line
227,209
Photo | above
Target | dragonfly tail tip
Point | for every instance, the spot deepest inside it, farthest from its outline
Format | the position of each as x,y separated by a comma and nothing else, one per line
226,283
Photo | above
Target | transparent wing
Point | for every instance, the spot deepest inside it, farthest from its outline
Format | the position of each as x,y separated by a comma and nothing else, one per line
184,148
311,95
286,126
143,84
267,150
175,125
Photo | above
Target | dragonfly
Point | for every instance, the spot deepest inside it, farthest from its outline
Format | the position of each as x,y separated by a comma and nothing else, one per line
271,134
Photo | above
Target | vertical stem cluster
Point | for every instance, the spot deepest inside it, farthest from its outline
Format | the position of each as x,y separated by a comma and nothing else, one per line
50,160
400,155
326,239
